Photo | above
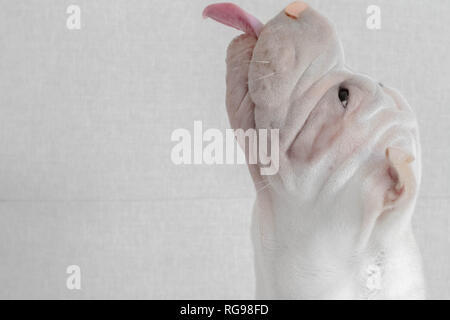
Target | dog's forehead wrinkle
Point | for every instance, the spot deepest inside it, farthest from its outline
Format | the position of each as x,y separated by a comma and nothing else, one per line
373,106
308,100
301,77
369,146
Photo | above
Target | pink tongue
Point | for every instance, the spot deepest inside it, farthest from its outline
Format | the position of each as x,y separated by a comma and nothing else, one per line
233,16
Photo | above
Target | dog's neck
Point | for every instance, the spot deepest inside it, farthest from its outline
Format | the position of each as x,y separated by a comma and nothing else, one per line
311,269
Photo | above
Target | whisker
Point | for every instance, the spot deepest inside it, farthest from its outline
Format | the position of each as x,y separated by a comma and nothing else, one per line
263,77
250,61
258,61
261,182
261,189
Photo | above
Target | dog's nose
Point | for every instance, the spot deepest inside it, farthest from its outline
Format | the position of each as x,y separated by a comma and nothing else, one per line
295,9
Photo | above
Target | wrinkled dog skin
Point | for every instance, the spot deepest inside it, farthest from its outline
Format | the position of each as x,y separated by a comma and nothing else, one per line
335,221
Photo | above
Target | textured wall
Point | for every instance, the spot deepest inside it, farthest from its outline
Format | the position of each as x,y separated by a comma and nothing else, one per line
85,124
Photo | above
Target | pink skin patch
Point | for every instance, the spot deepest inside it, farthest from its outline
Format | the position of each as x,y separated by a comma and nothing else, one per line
295,8
231,15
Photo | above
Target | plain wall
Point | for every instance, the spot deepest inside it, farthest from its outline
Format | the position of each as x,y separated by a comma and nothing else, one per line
86,118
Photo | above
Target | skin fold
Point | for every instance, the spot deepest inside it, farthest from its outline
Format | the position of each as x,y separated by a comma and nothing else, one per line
335,221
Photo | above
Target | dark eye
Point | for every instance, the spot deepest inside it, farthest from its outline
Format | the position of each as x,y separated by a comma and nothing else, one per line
344,95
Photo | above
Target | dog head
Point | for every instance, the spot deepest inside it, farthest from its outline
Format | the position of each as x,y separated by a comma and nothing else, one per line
349,152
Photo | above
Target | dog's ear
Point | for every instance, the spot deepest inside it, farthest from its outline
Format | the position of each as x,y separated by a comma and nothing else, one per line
400,192
404,184
390,194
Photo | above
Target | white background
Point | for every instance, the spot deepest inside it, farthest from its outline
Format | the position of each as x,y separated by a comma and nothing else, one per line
85,123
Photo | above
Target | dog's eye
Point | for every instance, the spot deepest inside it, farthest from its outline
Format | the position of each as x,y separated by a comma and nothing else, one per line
344,95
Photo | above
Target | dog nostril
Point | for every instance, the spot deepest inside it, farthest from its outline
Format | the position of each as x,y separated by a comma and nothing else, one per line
295,9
